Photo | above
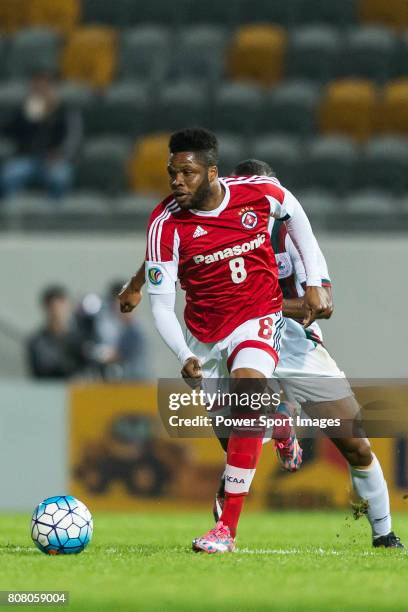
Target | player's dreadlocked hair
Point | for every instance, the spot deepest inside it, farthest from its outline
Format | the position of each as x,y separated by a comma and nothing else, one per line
249,167
201,141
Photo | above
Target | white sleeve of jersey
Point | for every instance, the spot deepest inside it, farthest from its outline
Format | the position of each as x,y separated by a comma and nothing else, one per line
161,277
298,263
168,325
300,231
280,210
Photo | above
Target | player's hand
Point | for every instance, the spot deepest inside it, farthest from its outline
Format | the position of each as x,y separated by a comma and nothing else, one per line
192,372
316,303
129,297
328,311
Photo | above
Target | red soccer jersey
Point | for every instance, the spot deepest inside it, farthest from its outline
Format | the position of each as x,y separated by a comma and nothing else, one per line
223,258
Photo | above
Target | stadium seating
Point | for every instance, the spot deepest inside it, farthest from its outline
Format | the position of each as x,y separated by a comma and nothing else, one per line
124,109
61,15
132,203
90,56
108,12
144,52
147,165
349,107
291,107
84,202
392,13
210,12
283,154
265,11
318,201
3,55
199,54
11,96
13,15
257,53
33,50
335,12
300,83
237,107
128,13
156,11
329,163
384,165
6,149
370,201
313,52
231,151
394,110
179,104
368,52
401,60
102,165
74,95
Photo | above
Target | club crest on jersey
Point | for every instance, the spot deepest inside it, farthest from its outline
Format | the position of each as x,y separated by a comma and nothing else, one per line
284,264
155,276
249,218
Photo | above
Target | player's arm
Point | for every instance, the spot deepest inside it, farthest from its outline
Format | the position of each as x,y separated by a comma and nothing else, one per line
285,206
161,272
294,307
131,293
169,328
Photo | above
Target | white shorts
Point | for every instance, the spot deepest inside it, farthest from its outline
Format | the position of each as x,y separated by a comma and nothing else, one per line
306,371
254,344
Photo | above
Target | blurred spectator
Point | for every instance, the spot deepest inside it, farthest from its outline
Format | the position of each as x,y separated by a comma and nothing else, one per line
46,136
56,350
121,344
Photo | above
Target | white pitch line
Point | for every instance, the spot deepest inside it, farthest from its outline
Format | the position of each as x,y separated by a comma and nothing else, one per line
297,551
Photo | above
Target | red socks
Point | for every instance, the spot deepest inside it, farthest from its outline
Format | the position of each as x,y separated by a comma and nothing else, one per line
242,458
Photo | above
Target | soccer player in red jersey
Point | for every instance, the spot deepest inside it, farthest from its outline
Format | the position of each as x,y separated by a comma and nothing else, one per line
212,235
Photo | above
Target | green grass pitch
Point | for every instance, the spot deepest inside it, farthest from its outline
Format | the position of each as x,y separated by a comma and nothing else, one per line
285,561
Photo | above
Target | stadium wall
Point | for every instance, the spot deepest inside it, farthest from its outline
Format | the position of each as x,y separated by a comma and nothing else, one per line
33,443
364,334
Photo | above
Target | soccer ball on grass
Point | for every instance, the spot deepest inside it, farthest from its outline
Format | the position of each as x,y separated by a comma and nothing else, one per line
61,525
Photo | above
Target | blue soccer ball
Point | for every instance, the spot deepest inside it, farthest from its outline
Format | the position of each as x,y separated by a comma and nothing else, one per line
61,525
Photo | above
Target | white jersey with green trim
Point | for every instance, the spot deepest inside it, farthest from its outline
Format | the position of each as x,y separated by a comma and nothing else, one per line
292,276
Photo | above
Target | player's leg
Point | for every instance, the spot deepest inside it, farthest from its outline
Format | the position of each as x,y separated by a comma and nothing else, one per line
243,452
311,377
368,481
288,450
366,474
251,361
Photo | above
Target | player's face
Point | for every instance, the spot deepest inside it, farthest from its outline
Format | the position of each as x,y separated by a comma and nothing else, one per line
189,179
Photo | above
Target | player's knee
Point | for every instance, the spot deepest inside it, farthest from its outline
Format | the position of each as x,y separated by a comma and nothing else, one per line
360,454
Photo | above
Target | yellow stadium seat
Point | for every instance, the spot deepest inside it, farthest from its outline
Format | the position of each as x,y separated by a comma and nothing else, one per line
61,15
147,165
391,13
257,54
13,15
90,56
395,108
349,107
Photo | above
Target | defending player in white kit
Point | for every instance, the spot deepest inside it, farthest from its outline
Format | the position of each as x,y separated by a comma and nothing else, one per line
310,377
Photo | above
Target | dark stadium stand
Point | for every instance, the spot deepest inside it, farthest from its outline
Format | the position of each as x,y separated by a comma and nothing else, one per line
317,89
